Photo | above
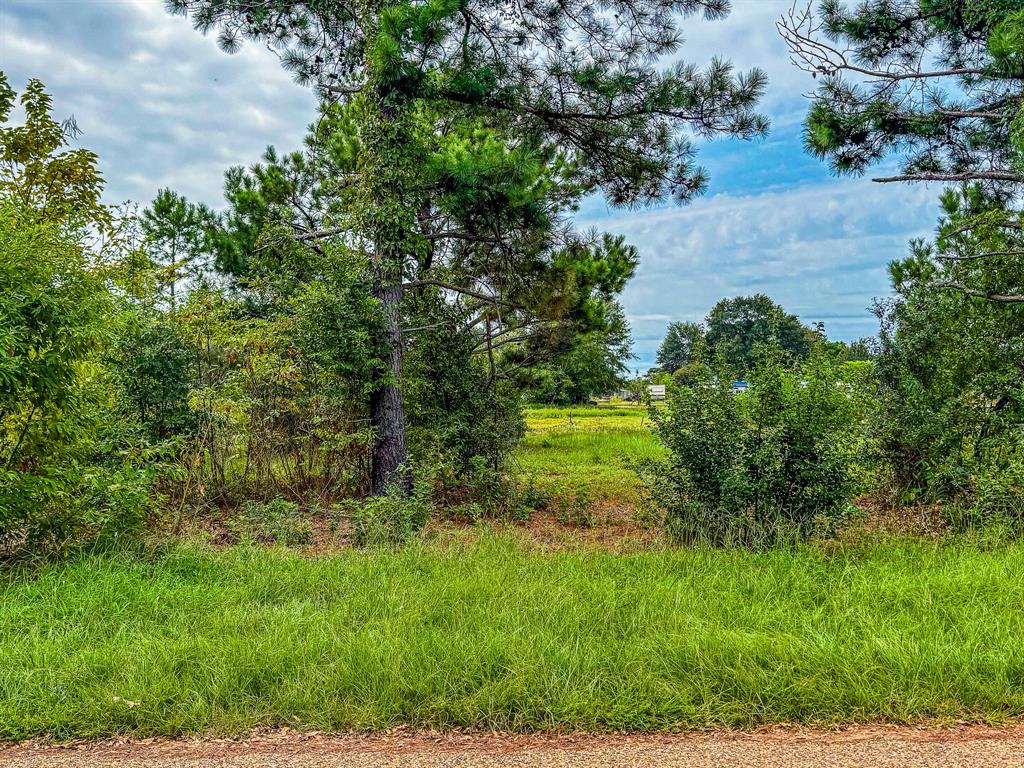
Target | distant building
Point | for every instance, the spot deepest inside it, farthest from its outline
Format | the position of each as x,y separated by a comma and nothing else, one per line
739,386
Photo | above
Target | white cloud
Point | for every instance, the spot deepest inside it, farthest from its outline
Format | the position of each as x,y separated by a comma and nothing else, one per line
821,250
160,104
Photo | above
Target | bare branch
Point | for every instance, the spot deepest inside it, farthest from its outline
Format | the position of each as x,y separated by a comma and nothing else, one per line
812,54
968,114
976,224
451,234
343,89
998,175
321,234
976,256
504,342
1000,298
458,289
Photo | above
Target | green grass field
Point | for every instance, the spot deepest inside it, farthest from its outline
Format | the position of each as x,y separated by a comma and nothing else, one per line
488,630
587,450
496,634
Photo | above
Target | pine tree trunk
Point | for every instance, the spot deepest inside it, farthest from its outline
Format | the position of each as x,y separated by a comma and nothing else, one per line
390,458
387,219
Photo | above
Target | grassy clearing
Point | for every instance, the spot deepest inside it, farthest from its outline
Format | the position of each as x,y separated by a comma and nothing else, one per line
494,634
587,450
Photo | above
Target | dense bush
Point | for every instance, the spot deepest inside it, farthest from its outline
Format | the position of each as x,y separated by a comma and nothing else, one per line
756,468
461,415
272,418
69,462
152,363
280,379
950,391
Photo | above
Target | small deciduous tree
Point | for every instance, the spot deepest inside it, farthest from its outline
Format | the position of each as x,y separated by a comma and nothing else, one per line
65,468
40,175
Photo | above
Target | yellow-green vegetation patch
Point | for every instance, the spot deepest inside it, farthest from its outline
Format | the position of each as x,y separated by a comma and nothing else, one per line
590,417
588,451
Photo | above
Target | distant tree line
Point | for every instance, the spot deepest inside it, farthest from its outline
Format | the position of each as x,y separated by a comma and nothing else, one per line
732,333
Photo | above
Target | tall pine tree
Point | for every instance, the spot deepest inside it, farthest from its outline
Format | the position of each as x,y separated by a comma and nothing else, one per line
544,74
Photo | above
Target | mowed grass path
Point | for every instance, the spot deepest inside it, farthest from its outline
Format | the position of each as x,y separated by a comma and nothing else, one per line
496,634
587,450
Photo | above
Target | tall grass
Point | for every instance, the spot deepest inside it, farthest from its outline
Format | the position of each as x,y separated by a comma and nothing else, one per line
588,450
497,635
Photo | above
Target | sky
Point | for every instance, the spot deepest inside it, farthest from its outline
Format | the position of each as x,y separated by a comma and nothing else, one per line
162,106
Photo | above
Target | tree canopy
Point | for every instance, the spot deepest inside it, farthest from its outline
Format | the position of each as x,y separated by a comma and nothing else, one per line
682,345
735,328
178,233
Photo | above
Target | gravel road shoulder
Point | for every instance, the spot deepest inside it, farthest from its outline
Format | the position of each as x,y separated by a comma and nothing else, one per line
857,747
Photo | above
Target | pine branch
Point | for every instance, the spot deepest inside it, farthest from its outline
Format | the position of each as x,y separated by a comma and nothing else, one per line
976,256
463,291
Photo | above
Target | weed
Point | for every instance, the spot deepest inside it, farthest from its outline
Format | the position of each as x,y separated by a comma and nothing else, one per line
277,521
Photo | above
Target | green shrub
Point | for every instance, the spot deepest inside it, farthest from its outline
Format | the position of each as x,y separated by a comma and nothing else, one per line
996,497
391,519
152,364
576,510
458,414
274,411
69,467
948,369
463,424
532,498
272,522
757,468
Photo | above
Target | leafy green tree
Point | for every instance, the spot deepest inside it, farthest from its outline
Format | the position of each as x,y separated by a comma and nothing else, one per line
459,415
177,234
597,362
282,191
544,79
737,327
979,251
682,345
66,466
858,350
39,175
153,365
583,364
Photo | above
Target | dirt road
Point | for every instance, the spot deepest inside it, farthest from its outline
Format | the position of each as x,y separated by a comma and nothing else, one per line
861,747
